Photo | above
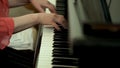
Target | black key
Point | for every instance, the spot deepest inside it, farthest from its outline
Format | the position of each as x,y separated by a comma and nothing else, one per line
60,36
61,51
60,67
61,47
60,55
60,5
61,32
60,42
61,1
62,61
61,12
60,9
60,39
57,49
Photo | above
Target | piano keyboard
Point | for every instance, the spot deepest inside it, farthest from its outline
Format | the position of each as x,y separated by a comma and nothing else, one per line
54,49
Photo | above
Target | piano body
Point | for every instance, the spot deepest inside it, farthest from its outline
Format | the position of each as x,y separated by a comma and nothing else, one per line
80,46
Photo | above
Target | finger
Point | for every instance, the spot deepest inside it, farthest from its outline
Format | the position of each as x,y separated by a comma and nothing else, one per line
56,26
51,7
38,7
62,21
65,24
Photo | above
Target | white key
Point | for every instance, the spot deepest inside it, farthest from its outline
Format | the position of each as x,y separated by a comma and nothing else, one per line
45,54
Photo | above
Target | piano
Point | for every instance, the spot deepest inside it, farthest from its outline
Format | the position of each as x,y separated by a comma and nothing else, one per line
76,47
54,50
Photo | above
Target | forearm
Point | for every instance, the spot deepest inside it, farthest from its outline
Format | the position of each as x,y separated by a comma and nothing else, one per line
15,3
24,22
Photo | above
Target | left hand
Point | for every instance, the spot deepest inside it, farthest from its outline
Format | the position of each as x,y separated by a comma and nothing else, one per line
40,5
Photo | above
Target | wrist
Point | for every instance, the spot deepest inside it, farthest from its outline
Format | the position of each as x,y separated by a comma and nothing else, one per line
35,18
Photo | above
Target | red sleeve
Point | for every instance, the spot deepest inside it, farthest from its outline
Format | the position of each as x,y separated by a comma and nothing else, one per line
6,30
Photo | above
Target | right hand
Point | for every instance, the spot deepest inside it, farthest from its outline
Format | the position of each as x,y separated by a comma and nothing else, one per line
52,19
41,5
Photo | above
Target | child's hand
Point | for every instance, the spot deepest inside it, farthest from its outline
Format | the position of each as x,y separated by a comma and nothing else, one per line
40,5
52,19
